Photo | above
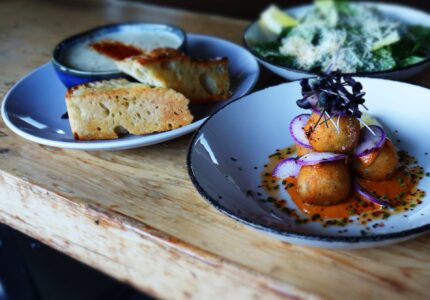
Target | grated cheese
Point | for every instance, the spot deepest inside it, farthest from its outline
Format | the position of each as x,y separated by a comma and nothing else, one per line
344,41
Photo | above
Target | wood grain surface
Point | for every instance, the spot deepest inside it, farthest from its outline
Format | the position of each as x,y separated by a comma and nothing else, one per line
135,215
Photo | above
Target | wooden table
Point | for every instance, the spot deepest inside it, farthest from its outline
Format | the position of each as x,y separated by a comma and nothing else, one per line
135,214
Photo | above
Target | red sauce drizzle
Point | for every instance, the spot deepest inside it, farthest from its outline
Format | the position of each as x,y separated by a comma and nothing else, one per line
115,50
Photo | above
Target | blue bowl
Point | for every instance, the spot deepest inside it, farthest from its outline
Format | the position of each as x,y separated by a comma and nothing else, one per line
71,76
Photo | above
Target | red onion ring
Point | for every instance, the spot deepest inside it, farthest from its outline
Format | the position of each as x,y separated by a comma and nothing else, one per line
313,100
367,195
297,130
286,168
316,158
370,142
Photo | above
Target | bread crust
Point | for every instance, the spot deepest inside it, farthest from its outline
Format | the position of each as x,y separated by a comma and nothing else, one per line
201,81
111,108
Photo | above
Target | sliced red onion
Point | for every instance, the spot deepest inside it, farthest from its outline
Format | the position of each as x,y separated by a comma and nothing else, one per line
367,195
316,158
286,168
370,142
297,130
313,100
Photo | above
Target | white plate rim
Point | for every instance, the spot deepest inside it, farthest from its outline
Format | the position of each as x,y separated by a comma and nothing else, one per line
324,238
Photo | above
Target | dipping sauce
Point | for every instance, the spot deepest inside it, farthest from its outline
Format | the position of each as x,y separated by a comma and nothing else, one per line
82,56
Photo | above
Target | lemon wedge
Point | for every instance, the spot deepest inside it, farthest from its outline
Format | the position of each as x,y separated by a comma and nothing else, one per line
392,38
274,19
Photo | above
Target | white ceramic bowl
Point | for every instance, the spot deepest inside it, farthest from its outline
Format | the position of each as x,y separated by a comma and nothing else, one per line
251,128
254,34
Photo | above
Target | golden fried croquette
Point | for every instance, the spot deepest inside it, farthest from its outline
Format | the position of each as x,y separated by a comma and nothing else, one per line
325,137
377,165
324,184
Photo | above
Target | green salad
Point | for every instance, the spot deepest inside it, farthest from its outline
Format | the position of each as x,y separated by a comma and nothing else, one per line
347,37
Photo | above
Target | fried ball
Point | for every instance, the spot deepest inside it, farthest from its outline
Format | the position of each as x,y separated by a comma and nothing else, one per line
378,165
302,150
325,137
324,184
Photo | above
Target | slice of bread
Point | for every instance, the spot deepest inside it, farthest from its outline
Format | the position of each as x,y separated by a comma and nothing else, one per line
201,81
110,108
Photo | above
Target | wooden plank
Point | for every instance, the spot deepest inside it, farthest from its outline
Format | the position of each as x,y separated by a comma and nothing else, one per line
154,230
129,250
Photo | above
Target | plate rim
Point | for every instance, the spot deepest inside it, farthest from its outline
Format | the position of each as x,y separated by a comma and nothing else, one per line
357,74
121,144
352,239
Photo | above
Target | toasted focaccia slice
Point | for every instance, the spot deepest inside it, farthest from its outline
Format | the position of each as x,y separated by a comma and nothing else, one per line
201,81
110,108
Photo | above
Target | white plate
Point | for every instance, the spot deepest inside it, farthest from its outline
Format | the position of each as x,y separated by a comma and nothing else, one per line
254,34
252,127
34,105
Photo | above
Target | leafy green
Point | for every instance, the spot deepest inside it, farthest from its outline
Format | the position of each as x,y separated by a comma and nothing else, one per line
411,60
381,60
415,41
271,52
390,39
267,49
285,31
343,7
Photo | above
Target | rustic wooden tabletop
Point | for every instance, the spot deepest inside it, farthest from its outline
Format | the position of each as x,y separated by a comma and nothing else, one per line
135,214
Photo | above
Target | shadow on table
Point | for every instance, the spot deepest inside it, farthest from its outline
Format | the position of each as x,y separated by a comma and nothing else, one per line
32,271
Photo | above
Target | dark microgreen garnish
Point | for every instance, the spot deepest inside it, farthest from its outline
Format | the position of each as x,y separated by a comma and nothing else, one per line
332,95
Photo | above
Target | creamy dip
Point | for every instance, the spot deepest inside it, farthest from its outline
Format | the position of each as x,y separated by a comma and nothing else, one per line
82,56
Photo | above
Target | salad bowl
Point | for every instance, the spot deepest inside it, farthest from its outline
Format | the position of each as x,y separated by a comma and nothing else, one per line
255,34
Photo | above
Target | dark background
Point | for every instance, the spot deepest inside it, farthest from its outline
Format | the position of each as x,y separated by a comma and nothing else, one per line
30,270
251,9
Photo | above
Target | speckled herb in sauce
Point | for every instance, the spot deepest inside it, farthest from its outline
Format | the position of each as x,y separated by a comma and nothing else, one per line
358,210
